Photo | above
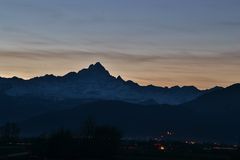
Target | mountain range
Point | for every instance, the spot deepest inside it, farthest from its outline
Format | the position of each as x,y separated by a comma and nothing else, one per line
213,117
96,83
44,104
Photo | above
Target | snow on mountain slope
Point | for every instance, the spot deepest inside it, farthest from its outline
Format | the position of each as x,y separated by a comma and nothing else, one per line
96,82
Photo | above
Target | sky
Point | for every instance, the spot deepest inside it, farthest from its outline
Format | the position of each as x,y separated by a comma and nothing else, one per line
159,42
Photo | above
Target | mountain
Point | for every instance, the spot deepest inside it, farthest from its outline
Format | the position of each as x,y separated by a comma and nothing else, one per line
219,101
216,114
22,99
96,83
132,119
43,104
212,117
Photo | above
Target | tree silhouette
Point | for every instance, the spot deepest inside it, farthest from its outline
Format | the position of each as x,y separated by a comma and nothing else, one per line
94,142
9,132
61,145
88,128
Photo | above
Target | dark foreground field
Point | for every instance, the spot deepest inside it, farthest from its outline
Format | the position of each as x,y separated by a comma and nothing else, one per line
34,149
96,142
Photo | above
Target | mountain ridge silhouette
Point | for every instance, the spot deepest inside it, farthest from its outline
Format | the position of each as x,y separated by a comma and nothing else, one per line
95,82
98,66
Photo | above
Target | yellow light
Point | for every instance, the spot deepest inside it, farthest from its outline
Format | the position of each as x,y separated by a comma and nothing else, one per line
162,148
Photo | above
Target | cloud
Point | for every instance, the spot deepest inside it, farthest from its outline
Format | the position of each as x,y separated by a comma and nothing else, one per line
23,36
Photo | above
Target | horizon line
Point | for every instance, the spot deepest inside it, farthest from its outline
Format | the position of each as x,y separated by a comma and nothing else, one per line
142,85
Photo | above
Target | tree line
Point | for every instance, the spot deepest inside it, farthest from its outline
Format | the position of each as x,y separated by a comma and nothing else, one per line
93,141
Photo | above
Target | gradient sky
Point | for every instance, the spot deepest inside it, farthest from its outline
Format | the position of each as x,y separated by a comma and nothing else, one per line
160,42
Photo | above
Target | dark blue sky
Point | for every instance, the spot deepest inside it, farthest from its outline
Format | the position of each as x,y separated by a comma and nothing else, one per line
162,42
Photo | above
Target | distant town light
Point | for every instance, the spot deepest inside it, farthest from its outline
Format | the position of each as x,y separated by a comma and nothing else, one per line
162,148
